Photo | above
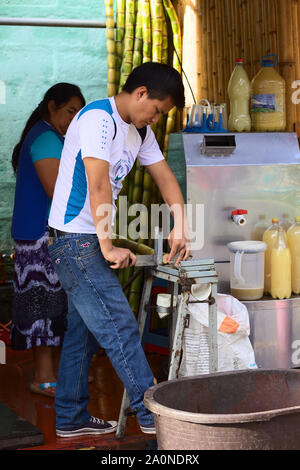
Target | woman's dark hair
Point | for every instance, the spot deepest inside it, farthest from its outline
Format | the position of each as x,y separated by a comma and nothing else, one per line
161,80
60,93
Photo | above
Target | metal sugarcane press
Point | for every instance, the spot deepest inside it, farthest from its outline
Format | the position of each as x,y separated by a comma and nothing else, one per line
180,280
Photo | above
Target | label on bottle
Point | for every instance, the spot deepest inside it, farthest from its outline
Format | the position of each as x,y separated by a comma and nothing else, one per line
263,103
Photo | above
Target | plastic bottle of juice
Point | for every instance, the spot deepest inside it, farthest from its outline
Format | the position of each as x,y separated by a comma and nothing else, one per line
281,264
270,237
268,111
293,238
239,95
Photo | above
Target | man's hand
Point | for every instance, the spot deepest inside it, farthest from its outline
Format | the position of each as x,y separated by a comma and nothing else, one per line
180,246
119,257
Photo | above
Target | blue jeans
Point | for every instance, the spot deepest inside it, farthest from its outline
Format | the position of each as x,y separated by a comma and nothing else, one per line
98,314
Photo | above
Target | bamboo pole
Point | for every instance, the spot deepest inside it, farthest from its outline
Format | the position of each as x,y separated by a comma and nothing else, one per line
259,29
286,58
255,46
214,69
295,10
272,28
250,39
238,36
227,49
203,51
231,34
245,37
209,47
220,54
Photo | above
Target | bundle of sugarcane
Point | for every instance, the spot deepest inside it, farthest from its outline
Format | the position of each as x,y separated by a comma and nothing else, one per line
142,35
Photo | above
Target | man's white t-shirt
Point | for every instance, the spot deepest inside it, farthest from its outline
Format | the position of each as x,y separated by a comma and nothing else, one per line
96,131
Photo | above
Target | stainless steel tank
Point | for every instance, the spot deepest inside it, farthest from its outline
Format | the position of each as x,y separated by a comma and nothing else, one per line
254,172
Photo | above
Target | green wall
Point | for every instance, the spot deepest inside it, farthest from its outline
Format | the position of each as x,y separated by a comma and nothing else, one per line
34,58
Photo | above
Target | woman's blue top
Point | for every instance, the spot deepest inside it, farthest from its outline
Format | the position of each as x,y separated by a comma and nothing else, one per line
31,206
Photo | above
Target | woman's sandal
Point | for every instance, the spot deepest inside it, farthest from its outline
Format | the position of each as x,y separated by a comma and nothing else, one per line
43,389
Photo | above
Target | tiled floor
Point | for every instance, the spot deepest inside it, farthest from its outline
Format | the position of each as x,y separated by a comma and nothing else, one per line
105,398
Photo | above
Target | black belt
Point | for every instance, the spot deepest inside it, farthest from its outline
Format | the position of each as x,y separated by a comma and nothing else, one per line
53,232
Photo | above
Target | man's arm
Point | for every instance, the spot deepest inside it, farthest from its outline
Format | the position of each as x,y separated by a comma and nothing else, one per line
172,195
102,208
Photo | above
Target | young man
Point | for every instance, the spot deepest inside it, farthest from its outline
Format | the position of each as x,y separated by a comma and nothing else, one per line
101,146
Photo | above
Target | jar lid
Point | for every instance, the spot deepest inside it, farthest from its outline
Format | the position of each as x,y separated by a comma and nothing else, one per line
247,246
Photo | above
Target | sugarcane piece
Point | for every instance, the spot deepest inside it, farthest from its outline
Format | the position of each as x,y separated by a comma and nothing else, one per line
126,66
136,247
111,48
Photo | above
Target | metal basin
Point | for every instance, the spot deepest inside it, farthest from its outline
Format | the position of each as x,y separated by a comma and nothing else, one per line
251,410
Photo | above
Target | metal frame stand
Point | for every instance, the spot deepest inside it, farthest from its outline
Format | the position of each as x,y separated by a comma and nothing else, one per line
187,274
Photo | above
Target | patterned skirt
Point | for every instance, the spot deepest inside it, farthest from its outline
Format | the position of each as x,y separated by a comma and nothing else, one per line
39,311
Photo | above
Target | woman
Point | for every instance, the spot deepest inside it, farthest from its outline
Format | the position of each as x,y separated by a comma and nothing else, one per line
39,303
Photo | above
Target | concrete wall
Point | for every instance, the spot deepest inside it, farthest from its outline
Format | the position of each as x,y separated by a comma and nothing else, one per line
34,58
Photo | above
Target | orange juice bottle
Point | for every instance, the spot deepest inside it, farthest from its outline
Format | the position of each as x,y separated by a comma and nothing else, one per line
293,238
281,264
269,237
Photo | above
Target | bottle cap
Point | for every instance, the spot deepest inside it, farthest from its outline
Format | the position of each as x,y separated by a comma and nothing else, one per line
239,61
297,218
275,221
267,63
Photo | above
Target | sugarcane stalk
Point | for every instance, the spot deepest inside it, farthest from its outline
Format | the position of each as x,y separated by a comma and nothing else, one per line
165,45
127,61
111,48
147,32
177,60
120,31
156,7
138,40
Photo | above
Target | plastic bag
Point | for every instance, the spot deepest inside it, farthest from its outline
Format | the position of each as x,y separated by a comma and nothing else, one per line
235,351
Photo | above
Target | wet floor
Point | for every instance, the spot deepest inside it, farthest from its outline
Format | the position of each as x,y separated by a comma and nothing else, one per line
106,392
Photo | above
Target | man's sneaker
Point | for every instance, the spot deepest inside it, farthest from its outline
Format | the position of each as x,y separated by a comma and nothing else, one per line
148,428
93,426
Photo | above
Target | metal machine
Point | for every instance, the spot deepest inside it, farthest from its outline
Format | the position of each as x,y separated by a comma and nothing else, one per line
242,181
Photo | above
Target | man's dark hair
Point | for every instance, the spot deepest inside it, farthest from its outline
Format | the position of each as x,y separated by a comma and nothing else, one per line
161,81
